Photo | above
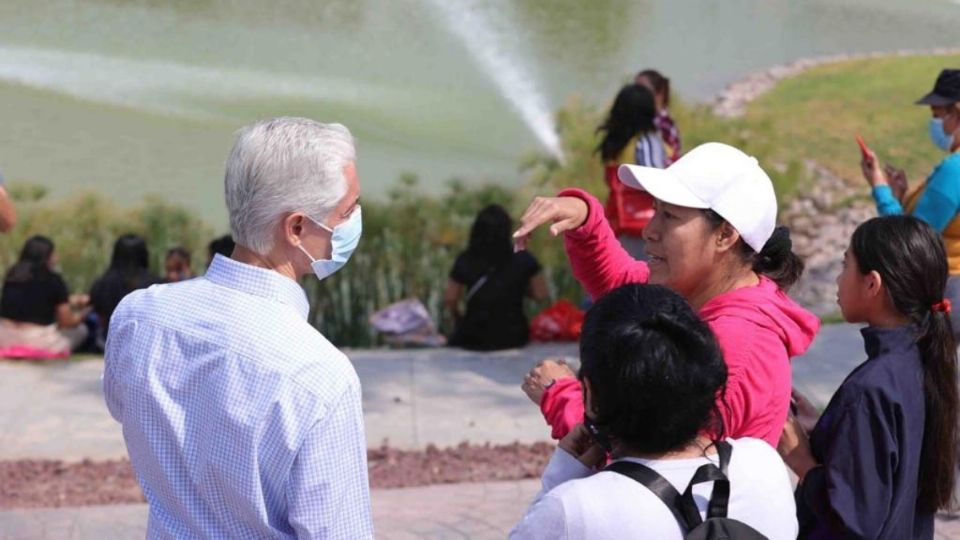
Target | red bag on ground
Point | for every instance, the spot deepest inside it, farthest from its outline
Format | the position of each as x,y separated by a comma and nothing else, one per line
560,322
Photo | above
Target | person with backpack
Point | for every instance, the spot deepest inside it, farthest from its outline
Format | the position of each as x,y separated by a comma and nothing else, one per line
880,461
652,371
714,241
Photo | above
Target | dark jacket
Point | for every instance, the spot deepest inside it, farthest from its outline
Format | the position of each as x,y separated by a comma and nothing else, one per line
868,443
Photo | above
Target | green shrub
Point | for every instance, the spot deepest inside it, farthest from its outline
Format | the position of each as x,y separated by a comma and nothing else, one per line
84,228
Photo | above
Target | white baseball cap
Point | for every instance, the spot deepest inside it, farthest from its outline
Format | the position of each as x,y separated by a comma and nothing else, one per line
719,177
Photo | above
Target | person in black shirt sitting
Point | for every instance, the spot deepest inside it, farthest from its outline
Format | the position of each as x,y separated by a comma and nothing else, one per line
129,271
493,281
36,310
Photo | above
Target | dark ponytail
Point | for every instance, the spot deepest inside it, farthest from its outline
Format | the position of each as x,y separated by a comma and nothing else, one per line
912,263
776,260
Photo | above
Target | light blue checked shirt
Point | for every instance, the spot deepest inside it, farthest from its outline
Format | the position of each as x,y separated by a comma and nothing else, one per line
241,420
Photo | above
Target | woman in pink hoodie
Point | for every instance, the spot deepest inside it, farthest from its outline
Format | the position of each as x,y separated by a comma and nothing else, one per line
713,240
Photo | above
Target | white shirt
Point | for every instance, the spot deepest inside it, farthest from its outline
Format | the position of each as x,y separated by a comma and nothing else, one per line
578,503
240,419
650,151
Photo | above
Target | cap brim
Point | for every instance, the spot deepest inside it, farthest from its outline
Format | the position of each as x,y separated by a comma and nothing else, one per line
661,184
935,100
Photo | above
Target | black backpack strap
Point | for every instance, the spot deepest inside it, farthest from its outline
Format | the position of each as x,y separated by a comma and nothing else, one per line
721,490
685,511
725,450
720,499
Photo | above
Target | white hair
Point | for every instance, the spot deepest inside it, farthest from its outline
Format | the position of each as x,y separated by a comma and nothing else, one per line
284,165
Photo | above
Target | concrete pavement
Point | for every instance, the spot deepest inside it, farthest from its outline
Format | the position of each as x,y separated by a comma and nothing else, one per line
479,511
410,397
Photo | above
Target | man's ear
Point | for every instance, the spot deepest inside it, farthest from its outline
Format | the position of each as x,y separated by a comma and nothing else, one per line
727,237
293,228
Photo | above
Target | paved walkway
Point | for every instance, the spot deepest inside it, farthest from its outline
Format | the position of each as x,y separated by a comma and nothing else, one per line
478,511
411,398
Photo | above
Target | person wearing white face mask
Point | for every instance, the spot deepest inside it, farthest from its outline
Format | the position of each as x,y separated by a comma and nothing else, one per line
240,418
936,200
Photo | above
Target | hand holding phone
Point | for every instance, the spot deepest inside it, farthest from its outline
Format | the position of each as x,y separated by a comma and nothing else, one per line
580,444
865,151
872,172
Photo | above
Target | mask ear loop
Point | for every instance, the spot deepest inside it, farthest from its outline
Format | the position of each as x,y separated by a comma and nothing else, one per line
318,224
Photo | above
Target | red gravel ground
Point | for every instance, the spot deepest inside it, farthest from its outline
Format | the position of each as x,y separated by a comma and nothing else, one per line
44,483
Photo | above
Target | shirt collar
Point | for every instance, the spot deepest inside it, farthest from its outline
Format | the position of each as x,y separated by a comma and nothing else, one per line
260,282
883,340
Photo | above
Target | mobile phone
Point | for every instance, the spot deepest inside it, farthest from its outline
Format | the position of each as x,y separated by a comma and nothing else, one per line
864,149
597,435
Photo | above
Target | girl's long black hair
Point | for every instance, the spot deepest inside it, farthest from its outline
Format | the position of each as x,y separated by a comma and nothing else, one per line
912,263
490,239
130,258
632,114
34,260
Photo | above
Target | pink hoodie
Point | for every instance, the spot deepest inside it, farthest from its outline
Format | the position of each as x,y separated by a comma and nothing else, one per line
758,328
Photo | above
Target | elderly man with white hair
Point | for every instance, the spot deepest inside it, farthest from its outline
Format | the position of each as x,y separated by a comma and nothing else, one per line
241,420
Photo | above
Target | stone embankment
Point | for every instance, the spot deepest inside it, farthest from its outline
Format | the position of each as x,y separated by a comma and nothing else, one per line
821,221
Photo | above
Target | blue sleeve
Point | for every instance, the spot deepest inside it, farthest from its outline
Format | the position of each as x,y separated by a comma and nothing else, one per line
861,459
887,204
941,200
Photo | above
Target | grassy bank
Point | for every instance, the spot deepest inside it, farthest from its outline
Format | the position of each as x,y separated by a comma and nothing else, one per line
85,226
411,238
816,115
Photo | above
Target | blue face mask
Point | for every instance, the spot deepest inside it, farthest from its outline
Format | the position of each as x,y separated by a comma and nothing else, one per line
938,136
343,241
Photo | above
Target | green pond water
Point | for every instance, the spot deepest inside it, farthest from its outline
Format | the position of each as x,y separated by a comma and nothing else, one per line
137,97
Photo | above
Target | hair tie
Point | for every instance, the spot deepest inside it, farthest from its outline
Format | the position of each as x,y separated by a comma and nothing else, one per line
943,305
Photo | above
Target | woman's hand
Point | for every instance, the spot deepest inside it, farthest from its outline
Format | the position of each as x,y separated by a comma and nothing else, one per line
872,172
565,214
807,415
897,179
543,375
579,444
794,448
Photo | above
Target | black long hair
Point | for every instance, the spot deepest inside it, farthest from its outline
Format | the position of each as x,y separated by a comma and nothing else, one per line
130,257
632,113
490,236
655,369
912,263
34,260
776,260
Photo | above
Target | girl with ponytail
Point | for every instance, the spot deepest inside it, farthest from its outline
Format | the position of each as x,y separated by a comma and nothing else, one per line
881,460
